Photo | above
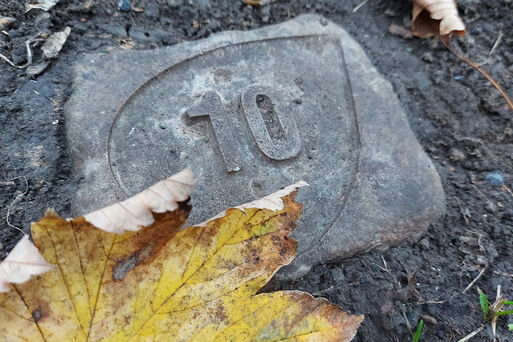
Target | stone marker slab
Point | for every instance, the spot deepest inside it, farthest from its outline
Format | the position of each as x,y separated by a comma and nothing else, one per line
252,112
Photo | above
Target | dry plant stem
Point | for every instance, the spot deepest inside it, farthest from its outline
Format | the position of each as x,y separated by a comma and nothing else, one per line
472,334
496,307
7,60
360,6
475,279
407,322
507,189
496,44
446,42
16,200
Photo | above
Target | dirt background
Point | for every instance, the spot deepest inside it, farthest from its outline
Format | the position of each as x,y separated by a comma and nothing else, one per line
459,118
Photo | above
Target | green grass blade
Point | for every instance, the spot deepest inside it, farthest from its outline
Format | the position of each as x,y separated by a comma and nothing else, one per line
483,300
416,337
510,326
508,302
500,313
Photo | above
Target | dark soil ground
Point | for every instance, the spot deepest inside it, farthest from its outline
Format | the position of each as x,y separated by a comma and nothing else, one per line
460,119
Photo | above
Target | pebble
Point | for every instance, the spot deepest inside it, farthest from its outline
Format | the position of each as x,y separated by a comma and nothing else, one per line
124,5
19,55
494,178
490,207
427,57
424,244
429,319
456,155
152,11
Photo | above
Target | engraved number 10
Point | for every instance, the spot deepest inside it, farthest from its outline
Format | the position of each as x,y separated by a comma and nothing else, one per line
275,132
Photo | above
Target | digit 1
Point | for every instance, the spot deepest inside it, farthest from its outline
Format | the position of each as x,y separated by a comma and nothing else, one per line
212,106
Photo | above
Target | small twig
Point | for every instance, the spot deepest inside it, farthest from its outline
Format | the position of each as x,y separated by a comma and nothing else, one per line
431,301
474,281
6,183
484,73
407,322
507,189
29,55
503,274
472,334
480,192
7,60
496,307
360,6
497,42
320,292
16,200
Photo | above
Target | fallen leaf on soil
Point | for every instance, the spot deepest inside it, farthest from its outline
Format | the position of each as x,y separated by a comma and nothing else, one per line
54,43
161,284
436,17
44,5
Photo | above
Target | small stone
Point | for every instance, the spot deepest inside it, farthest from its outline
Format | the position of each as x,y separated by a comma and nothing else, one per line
490,207
152,10
456,155
430,320
427,57
494,178
42,21
173,3
161,126
19,55
424,244
124,5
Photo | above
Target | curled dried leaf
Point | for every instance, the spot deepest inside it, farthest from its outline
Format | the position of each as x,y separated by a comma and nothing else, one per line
54,43
44,5
436,17
136,211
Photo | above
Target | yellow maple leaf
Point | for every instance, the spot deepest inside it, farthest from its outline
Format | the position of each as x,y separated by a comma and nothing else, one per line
157,283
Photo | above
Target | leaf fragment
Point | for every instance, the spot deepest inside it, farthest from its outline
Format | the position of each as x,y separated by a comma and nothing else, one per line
272,202
54,43
22,262
44,5
436,17
162,284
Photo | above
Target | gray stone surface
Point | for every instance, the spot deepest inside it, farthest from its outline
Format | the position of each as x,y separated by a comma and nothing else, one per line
251,112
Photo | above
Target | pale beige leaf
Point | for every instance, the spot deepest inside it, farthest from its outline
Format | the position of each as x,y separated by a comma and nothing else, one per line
22,262
136,211
272,202
436,17
54,43
44,5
